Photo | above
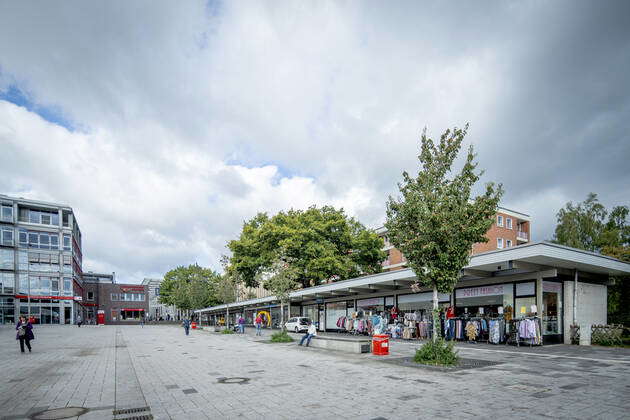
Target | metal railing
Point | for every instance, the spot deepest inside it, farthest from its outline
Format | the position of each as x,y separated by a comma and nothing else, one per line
522,235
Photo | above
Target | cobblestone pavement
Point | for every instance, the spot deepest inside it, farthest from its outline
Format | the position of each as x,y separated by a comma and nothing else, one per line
177,377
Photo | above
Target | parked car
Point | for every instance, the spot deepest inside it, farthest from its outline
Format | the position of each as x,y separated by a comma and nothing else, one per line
297,324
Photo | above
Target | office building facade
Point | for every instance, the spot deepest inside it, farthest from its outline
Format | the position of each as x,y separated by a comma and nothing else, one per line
40,262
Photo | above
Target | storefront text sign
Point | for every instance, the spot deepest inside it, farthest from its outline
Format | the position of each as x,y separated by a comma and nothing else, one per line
479,291
551,287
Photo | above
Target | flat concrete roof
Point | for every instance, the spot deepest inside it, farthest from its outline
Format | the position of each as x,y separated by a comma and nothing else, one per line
539,255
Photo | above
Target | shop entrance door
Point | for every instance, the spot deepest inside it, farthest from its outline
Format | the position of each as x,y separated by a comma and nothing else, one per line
67,315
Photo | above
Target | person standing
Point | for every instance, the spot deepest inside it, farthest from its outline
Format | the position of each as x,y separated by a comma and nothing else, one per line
186,325
258,324
310,333
79,320
241,324
24,333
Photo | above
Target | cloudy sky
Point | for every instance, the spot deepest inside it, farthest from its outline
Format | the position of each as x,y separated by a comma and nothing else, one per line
166,124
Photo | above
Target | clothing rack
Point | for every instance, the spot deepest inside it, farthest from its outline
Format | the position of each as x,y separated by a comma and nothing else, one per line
526,330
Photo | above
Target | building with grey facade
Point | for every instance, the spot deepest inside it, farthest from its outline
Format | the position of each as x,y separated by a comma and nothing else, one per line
40,262
157,310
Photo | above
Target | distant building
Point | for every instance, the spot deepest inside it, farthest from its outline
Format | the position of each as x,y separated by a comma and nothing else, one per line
118,303
40,262
510,229
159,310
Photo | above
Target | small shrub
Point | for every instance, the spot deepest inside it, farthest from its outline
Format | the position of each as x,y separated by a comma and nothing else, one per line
227,331
281,337
439,353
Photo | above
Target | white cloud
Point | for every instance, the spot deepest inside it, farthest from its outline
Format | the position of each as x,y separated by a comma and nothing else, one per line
193,116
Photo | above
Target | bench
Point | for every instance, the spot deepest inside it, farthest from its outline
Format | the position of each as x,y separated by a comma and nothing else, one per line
340,343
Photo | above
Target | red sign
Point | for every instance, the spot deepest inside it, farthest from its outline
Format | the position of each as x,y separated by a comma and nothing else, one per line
132,288
44,297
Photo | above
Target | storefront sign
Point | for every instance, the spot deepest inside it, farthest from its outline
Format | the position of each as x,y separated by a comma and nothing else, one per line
479,291
423,297
44,297
132,289
370,302
78,298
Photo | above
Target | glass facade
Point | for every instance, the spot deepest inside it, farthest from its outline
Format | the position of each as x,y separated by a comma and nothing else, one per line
334,311
373,306
484,300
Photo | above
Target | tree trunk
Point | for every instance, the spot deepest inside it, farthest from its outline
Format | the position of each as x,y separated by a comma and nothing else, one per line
282,315
435,318
227,318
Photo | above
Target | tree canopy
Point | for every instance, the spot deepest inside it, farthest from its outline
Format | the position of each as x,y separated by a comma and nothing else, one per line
436,221
590,226
191,287
321,243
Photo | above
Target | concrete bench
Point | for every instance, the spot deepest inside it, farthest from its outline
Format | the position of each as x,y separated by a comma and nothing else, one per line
340,343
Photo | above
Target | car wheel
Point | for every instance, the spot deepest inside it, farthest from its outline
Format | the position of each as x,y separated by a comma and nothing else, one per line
297,330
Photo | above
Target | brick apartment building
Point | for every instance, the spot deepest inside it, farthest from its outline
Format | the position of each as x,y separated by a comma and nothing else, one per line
115,303
510,228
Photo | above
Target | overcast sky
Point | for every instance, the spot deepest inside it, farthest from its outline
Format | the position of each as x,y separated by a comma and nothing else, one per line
165,125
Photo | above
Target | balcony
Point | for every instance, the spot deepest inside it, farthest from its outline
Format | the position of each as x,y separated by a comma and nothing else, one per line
522,236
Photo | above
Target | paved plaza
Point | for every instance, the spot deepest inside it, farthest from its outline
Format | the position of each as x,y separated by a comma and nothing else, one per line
163,373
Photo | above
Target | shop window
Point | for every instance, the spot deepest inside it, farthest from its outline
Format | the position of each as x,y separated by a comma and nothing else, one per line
334,311
373,306
525,306
525,289
421,303
552,308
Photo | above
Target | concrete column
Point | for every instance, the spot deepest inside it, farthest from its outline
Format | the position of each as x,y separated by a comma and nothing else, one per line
539,294
568,310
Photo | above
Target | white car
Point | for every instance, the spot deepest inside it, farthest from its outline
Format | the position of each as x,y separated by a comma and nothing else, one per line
297,324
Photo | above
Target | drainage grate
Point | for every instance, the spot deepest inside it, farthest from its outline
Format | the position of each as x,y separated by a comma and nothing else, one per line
130,410
189,391
142,417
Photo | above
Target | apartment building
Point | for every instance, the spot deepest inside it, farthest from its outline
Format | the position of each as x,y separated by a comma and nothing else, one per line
40,262
510,228
108,302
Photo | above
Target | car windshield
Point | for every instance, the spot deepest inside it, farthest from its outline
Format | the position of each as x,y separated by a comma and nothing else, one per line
305,321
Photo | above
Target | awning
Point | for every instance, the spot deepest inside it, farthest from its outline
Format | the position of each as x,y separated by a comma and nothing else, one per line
133,309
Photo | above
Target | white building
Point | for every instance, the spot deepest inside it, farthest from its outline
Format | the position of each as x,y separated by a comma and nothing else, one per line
158,310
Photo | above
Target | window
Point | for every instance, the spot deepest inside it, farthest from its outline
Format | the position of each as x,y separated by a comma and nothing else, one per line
90,295
7,280
66,242
23,237
500,221
115,296
67,286
508,243
65,219
6,259
508,223
7,213
6,236
499,243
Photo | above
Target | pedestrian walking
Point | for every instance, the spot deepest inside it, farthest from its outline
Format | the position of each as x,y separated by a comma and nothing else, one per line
24,333
186,325
241,324
258,324
141,321
79,320
310,333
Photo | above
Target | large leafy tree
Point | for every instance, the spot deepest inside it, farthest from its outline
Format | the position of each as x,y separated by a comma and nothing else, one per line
321,243
191,287
435,221
589,225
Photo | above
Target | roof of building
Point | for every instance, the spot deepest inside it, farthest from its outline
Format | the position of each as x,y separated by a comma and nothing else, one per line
537,255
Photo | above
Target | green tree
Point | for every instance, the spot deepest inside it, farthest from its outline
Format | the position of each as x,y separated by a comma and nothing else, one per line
322,244
191,287
435,221
589,225
281,280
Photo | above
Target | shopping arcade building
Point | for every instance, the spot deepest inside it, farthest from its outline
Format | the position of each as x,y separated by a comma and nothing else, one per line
561,285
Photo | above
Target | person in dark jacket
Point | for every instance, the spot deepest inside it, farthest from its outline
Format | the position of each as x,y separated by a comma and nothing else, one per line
24,330
186,325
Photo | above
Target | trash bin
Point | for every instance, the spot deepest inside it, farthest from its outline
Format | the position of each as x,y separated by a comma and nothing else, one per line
194,325
380,345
